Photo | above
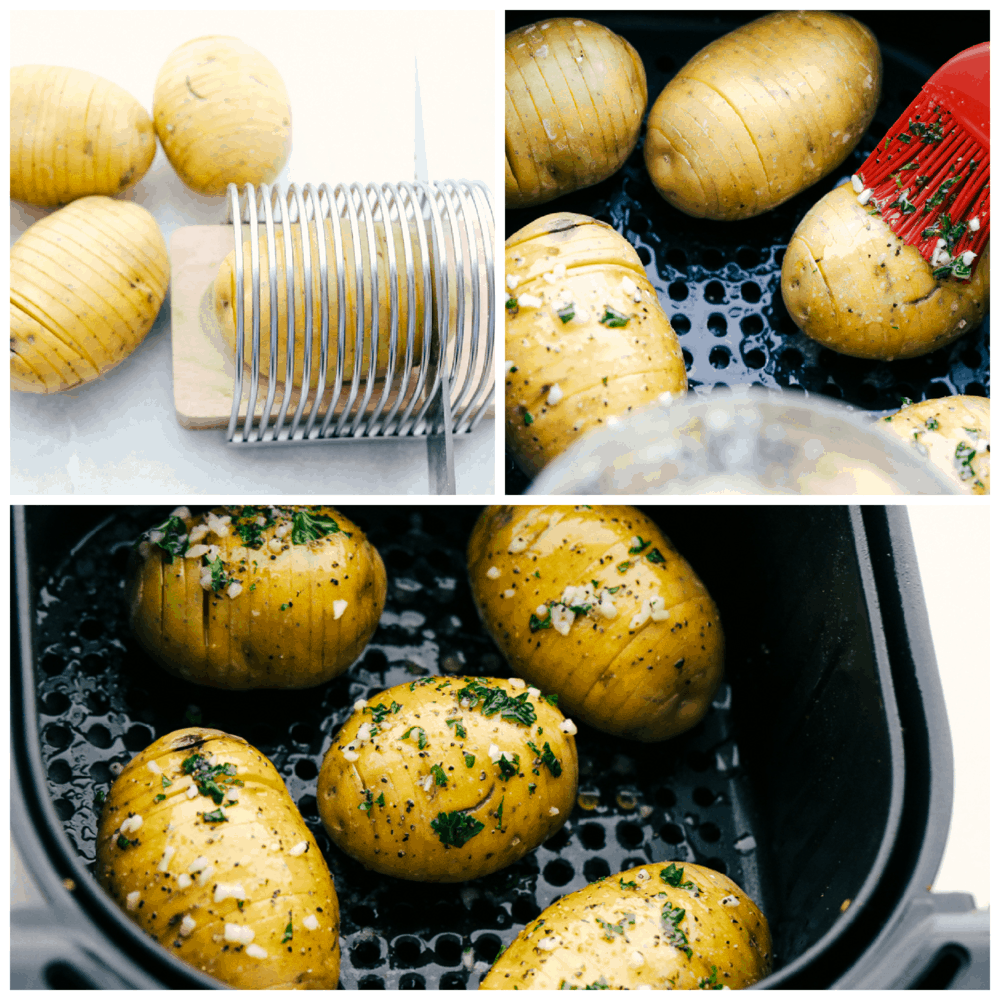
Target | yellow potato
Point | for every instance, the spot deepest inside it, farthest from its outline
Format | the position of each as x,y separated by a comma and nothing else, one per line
229,878
952,433
255,596
762,113
222,114
595,604
575,97
849,282
74,134
226,296
448,778
586,341
86,284
661,926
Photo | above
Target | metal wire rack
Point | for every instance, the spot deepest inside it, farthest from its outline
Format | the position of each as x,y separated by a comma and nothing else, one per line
396,339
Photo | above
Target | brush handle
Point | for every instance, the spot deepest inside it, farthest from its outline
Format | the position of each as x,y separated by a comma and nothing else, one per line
962,85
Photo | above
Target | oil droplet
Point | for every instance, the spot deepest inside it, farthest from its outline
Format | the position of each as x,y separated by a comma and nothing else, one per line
588,798
627,799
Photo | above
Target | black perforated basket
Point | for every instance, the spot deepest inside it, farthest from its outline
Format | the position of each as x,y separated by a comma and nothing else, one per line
820,780
720,282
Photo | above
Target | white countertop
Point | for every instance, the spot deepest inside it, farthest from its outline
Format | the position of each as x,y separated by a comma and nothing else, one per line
351,83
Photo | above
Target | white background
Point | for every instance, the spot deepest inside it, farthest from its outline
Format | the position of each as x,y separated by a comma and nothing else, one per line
350,80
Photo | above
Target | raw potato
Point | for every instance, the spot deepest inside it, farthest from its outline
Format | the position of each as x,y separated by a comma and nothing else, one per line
566,378
762,113
74,134
634,931
575,97
248,898
638,653
223,601
222,114
226,295
86,284
849,282
953,434
488,761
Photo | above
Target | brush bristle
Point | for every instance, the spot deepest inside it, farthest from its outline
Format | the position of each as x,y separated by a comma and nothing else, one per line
930,181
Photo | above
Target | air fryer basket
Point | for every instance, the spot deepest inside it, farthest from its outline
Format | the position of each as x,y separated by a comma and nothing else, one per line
720,282
815,741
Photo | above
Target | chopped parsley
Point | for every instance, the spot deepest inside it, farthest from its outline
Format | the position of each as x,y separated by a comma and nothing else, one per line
366,804
379,712
508,766
622,567
531,788
610,930
421,736
455,829
710,982
931,423
673,875
500,813
636,549
535,623
470,760
528,419
174,540
604,381
548,758
165,781
964,454
220,578
308,527
512,305
627,885
123,841
656,557
672,917
552,699
495,700
210,779
566,313
459,728
99,796
380,801
216,816
440,778
246,522
288,929
613,318
159,798
597,984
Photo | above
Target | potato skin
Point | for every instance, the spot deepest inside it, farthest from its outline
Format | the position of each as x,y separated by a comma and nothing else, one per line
74,134
221,112
850,283
762,113
226,295
601,371
281,629
394,836
732,938
574,101
251,848
86,284
952,433
648,682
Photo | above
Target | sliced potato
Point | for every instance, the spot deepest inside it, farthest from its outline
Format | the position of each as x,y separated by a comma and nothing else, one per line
595,604
586,339
762,113
852,284
575,97
661,927
952,433
448,778
202,846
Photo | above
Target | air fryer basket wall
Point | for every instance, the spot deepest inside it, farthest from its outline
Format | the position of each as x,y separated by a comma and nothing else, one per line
766,788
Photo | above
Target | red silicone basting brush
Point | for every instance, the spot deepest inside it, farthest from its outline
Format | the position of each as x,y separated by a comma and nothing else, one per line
930,177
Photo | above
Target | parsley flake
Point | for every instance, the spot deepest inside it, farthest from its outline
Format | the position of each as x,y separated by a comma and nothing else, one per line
455,829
